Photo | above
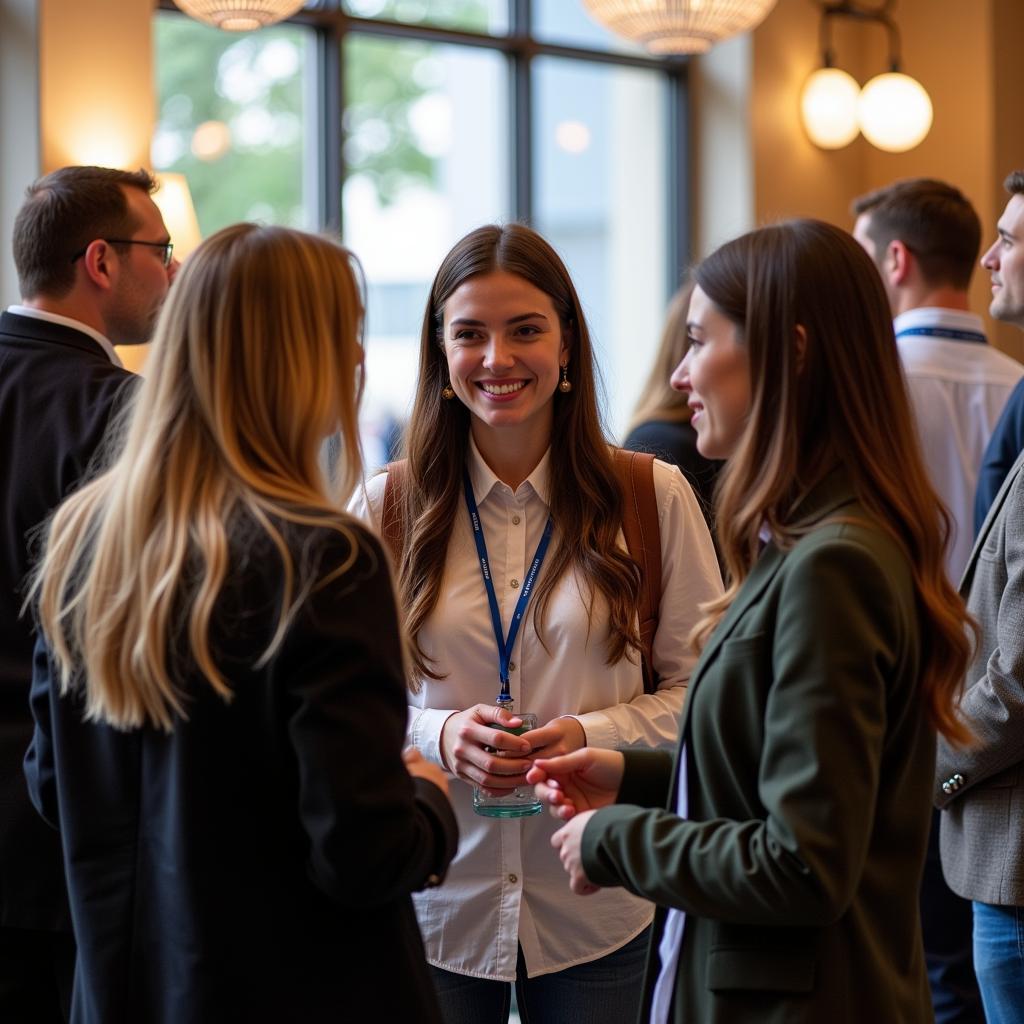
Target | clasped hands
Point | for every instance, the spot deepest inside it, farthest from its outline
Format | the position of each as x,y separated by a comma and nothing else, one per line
573,779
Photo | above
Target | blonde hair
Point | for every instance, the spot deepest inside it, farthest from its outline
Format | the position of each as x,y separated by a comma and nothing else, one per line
837,400
256,358
659,400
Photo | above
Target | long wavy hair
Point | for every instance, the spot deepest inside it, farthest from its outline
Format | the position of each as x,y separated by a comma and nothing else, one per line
836,399
586,503
659,400
256,358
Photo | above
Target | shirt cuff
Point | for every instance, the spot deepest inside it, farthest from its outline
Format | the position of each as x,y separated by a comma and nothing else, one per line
600,730
425,732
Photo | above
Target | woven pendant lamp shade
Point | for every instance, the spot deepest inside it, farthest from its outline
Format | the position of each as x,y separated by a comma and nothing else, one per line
679,26
239,15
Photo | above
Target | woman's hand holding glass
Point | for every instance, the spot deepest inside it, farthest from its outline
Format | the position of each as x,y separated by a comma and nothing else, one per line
468,743
584,780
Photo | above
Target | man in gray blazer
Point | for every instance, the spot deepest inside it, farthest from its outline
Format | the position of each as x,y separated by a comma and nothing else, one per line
981,788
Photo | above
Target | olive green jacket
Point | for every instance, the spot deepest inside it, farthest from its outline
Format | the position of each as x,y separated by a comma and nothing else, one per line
809,765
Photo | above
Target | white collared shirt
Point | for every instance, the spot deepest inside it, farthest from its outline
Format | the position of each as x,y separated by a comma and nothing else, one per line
66,321
957,390
506,885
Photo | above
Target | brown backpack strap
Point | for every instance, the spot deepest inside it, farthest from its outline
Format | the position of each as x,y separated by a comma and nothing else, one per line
640,526
392,526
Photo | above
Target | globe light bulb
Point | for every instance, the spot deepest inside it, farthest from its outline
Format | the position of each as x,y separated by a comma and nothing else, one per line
828,104
895,112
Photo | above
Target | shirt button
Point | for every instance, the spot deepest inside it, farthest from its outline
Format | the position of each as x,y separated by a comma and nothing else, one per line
511,666
514,584
516,520
513,879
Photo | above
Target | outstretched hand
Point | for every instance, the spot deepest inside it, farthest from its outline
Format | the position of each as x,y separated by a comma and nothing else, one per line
568,841
584,780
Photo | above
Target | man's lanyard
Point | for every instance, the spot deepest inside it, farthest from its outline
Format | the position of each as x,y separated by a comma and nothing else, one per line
943,332
505,645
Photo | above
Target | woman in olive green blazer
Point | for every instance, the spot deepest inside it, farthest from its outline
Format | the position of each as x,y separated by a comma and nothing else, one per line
787,865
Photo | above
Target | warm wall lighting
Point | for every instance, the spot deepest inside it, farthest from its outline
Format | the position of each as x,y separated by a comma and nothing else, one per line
829,108
893,111
239,15
678,26
175,203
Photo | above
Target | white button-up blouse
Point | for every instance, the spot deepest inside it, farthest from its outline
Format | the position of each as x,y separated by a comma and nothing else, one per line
506,886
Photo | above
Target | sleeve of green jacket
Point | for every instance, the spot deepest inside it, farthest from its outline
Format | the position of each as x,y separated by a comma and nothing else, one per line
840,627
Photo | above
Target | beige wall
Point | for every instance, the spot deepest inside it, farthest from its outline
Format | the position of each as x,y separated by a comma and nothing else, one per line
965,54
96,73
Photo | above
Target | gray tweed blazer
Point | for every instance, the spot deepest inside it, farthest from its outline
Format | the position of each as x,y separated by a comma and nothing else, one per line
981,788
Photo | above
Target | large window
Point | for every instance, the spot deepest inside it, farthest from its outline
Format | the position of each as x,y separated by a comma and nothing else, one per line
406,123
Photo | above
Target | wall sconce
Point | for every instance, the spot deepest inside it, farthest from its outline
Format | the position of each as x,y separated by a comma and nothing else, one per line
678,26
893,111
239,15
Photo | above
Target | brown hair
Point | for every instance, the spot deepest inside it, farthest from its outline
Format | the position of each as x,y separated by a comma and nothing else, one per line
935,221
63,212
586,503
1014,183
839,399
659,400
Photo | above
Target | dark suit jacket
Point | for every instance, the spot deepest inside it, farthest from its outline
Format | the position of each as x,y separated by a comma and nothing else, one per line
255,864
675,442
980,788
809,760
57,390
1005,444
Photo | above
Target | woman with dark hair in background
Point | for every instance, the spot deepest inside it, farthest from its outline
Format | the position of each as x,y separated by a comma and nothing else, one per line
787,864
510,482
219,702
661,420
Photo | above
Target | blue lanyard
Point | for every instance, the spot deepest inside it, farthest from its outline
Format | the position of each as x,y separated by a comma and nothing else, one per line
944,332
506,644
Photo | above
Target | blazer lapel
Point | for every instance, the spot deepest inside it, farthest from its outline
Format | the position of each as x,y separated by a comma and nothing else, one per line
986,527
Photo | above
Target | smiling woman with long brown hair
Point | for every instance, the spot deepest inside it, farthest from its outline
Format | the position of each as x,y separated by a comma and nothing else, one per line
507,457
785,844
219,697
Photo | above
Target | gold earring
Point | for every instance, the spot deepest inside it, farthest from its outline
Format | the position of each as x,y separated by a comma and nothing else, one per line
565,386
447,392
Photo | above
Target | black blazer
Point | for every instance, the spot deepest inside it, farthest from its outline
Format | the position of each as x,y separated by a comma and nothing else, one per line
255,864
57,391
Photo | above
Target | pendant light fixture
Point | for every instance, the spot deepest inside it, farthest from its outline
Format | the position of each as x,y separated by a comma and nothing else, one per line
893,111
239,15
678,26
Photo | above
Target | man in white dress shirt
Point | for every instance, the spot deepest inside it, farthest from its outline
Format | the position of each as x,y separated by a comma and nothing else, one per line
924,237
94,263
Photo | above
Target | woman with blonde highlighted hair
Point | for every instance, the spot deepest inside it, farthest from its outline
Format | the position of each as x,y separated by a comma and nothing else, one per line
219,687
784,845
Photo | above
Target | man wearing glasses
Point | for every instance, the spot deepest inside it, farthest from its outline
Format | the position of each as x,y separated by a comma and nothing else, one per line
94,263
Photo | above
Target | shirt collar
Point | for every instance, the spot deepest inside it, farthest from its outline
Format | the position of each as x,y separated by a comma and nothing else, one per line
483,479
937,316
66,321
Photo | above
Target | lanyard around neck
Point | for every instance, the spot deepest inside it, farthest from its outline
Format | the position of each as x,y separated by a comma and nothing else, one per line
949,333
505,644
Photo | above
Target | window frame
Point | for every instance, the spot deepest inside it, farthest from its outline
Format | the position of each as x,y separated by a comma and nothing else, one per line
332,25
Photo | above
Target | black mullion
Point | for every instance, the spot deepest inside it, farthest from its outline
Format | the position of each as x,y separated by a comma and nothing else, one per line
331,105
680,235
521,111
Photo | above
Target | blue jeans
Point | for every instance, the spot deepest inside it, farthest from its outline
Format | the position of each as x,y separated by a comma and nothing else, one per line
604,991
999,961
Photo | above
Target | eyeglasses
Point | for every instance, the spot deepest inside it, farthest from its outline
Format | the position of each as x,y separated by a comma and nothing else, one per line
167,255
